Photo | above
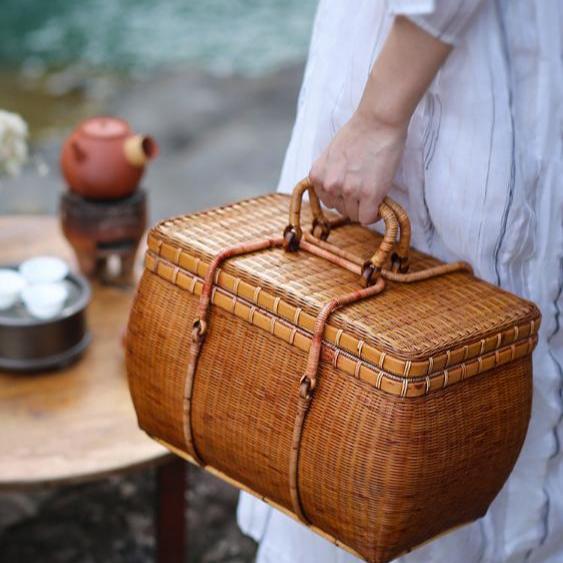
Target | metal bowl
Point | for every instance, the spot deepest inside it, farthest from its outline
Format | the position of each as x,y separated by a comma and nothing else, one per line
28,344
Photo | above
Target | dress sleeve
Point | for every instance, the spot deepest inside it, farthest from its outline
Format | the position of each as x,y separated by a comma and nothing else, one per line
444,19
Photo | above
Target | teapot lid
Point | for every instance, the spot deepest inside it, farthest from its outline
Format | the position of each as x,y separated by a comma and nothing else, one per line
105,127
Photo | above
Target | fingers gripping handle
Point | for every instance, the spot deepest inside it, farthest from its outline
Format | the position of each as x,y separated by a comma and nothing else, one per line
393,216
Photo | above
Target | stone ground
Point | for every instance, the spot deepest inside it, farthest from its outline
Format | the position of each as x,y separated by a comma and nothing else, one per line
221,139
111,521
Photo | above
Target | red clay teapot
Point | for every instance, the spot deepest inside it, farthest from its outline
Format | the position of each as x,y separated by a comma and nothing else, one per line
104,159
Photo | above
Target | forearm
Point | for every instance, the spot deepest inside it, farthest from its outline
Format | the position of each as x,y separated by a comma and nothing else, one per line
402,73
355,172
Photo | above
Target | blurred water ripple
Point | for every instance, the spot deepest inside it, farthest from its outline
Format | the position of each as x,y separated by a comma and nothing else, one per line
223,36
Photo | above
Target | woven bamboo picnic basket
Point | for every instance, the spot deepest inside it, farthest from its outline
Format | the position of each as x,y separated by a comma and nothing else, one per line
380,401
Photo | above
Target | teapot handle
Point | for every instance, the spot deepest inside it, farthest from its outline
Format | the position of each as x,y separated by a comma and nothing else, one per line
78,151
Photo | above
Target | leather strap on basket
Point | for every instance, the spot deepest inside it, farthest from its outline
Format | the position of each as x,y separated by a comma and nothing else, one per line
308,384
309,380
199,328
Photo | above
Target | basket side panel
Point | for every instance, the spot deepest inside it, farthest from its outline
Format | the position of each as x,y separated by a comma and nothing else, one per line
158,343
388,474
245,404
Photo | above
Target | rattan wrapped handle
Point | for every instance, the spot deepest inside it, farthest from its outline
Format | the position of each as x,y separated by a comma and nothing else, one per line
393,216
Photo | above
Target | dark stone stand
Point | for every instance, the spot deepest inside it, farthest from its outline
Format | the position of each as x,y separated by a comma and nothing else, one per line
105,234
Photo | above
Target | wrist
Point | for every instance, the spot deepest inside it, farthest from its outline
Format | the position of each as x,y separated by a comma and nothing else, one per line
383,117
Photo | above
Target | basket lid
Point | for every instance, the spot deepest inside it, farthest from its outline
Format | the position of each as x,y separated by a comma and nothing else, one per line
409,330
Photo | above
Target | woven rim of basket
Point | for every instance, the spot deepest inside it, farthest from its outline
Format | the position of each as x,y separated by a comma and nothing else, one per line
381,369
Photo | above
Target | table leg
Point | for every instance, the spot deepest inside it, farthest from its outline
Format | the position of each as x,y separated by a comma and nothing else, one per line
172,480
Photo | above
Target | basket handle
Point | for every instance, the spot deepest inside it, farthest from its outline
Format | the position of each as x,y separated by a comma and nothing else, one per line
393,216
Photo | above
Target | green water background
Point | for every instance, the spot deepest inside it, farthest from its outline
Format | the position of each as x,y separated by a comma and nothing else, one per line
223,36
56,54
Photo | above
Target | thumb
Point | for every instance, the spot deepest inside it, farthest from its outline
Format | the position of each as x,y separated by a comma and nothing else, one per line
369,211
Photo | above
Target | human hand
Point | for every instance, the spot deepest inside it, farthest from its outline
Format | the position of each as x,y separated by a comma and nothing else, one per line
355,172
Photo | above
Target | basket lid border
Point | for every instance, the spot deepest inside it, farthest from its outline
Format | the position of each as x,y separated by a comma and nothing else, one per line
408,377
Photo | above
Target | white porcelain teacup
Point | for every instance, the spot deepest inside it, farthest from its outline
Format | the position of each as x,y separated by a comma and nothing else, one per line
45,300
11,285
44,269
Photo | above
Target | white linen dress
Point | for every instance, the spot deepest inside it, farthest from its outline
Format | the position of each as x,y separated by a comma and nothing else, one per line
482,180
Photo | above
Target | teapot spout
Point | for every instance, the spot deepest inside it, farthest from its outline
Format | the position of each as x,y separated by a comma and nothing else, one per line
139,149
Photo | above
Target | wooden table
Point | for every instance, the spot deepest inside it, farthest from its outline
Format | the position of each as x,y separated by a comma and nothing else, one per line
79,424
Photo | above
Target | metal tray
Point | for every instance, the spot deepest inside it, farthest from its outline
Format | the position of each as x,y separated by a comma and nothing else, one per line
28,344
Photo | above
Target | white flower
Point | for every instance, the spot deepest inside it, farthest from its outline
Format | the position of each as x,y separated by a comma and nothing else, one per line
13,143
